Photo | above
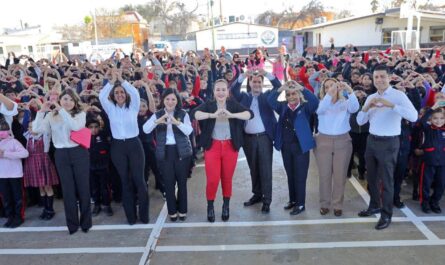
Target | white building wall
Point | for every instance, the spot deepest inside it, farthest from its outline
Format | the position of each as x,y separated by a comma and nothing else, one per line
259,36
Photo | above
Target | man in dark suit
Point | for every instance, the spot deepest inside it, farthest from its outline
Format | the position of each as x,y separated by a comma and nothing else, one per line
258,135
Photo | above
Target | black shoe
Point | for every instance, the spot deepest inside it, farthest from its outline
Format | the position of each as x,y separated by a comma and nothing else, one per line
265,208
85,230
108,210
9,222
174,217
96,210
182,217
383,223
289,205
369,212
297,210
73,231
210,213
425,207
43,215
399,204
49,215
435,208
252,201
16,222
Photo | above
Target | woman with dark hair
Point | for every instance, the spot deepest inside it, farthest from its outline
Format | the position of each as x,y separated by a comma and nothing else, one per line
121,102
72,161
173,150
222,124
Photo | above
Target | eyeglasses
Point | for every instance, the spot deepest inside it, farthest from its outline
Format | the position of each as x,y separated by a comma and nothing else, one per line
288,94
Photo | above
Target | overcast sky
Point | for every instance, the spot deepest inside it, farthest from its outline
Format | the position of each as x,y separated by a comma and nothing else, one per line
50,12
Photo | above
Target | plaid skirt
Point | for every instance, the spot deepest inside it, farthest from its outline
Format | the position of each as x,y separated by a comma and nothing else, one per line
39,170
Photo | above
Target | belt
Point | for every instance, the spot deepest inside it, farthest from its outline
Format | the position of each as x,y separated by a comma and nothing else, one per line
125,140
383,137
256,134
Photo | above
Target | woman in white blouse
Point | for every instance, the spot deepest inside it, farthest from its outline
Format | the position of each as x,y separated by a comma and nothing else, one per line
333,143
121,101
72,161
173,150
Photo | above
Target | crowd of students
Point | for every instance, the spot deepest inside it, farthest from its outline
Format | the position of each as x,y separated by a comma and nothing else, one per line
379,111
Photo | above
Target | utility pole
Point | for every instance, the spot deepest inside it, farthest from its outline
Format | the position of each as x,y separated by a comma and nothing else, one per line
212,24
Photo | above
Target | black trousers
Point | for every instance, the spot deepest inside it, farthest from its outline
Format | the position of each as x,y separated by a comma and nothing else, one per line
73,166
381,157
151,164
259,150
12,195
400,171
433,177
175,172
128,158
358,148
100,186
296,165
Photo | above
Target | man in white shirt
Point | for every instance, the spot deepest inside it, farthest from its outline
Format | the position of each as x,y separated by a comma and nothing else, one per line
384,110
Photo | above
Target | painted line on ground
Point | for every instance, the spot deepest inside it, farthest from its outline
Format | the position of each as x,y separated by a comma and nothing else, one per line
56,251
287,246
65,229
409,214
154,236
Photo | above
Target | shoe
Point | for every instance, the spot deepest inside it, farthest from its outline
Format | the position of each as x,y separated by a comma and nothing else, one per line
73,231
174,217
49,215
425,207
182,217
338,212
383,223
108,210
289,205
16,222
252,201
85,230
210,213
399,204
225,215
324,211
435,208
297,210
43,215
265,208
9,222
369,212
96,210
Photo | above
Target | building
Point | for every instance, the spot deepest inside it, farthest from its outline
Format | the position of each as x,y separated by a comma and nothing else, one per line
235,36
373,30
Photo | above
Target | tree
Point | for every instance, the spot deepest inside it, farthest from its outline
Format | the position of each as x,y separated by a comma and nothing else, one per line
374,6
343,14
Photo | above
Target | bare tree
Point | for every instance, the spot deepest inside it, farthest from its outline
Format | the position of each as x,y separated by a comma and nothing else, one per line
343,14
374,6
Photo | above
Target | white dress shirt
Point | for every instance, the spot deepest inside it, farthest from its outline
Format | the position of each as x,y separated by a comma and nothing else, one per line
60,126
123,121
8,114
384,121
255,125
185,126
333,119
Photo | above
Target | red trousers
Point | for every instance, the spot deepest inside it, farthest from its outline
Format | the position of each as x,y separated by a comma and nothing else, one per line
220,163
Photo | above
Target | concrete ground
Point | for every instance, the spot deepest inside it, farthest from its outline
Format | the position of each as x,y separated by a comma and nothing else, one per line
250,237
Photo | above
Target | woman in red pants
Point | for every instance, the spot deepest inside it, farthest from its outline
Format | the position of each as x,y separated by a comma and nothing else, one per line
221,122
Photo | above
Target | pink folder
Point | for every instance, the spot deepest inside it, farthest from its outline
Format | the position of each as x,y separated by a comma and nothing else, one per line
82,137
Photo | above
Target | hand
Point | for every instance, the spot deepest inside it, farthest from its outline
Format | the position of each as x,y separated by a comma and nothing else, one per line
381,102
345,86
163,119
174,121
438,104
46,107
418,152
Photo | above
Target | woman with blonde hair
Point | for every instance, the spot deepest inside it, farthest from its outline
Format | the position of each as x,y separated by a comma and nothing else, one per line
334,145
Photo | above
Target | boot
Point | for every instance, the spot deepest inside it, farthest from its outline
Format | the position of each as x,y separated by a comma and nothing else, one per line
225,209
210,212
49,207
44,200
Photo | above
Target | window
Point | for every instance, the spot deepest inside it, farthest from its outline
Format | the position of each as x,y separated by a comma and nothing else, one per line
437,33
386,35
30,48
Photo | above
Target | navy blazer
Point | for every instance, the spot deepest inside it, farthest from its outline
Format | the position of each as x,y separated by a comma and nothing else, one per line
302,126
266,111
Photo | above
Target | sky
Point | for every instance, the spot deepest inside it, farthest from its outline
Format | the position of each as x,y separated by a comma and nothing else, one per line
49,12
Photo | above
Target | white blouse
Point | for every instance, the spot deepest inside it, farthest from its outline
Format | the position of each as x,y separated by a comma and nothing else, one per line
333,119
123,121
8,114
60,126
185,126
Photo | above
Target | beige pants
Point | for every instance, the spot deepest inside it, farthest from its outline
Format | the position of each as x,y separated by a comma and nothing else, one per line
333,154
